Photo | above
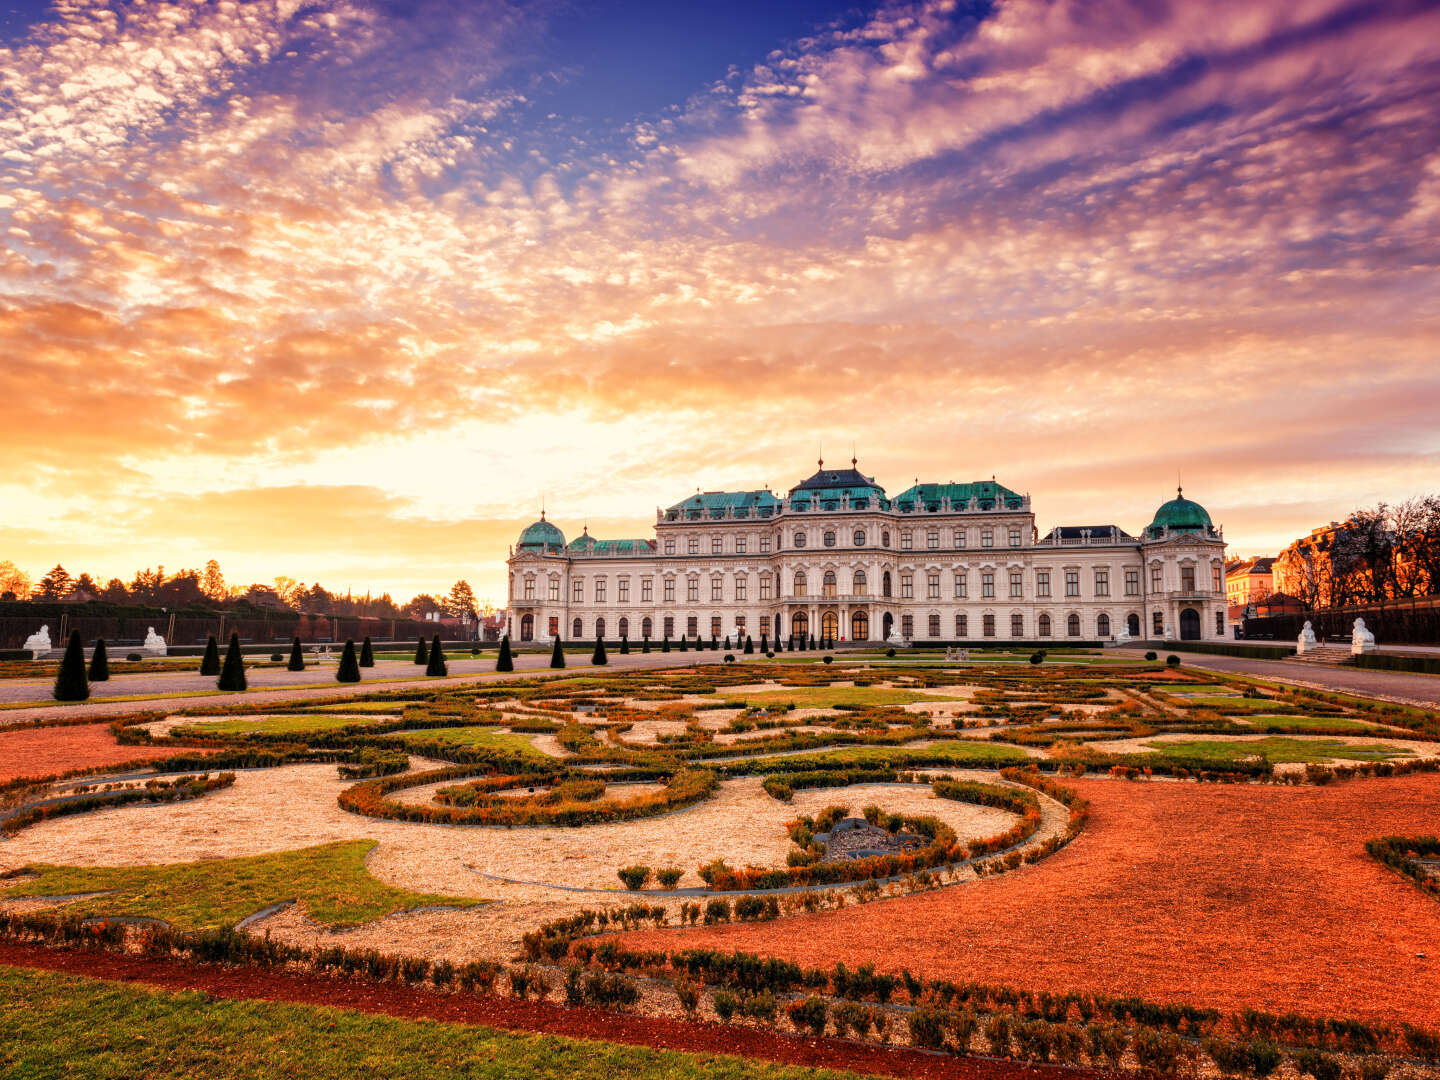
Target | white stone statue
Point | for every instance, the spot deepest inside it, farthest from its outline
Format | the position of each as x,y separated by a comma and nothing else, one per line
38,643
1123,637
895,639
1306,641
154,643
1361,639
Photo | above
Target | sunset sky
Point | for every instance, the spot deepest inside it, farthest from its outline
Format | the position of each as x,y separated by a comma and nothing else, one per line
339,290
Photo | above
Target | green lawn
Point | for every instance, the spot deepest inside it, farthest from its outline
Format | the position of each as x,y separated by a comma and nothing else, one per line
276,725
396,707
509,741
1321,723
945,752
828,697
61,1026
330,882
1278,750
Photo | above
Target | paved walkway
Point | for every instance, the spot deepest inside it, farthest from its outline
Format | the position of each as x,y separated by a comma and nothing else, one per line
172,690
1402,687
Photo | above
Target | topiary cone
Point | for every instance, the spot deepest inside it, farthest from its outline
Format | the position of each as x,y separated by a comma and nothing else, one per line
100,663
70,682
749,644
210,663
557,655
297,656
599,657
624,646
506,661
349,669
367,655
232,673
665,643
422,656
436,663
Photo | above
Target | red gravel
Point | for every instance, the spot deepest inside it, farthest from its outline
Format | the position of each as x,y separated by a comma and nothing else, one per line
47,751
1214,895
498,1012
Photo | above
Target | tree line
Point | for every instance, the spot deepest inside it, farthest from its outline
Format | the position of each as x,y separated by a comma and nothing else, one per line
1383,553
207,588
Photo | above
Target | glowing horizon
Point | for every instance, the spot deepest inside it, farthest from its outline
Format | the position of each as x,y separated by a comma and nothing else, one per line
340,289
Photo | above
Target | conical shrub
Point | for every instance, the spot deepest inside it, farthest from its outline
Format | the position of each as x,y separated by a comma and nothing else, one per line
715,643
232,673
367,654
764,643
624,646
727,642
749,644
683,643
599,657
507,661
297,656
645,645
349,669
210,663
436,664
665,643
99,663
422,656
70,681
557,654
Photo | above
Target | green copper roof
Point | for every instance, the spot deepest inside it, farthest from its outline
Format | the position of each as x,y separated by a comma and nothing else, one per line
1180,515
541,536
715,504
585,544
837,489
988,495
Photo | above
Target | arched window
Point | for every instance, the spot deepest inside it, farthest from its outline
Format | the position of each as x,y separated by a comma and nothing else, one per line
1102,625
858,588
1043,626
646,626
624,627
859,626
829,626
799,539
527,627
829,539
600,628
827,587
799,624
799,583
578,629
1072,625
1132,623
885,538
859,537
885,583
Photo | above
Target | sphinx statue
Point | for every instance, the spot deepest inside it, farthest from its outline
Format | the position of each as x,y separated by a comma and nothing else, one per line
1306,641
154,643
1361,639
39,643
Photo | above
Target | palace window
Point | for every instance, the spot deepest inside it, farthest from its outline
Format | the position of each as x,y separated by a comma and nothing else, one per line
717,545
600,628
1017,584
885,583
859,538
694,546
764,545
1156,579
1072,625
1017,626
765,626
987,537
742,586
669,590
907,586
1215,581
578,587
624,627
600,590
827,584
669,625
554,626
934,626
907,626
554,591
987,584
932,541
739,545
859,584
692,589
739,628
578,629
907,541
1042,626
717,588
692,627
647,590
669,545
529,588
959,538
1132,582
799,539
1187,579
1220,622
962,585
989,626
1102,582
962,626
932,589
829,539
646,626
714,626
1042,582
1157,623
799,589
765,586
1014,537
885,538
1102,625
1072,582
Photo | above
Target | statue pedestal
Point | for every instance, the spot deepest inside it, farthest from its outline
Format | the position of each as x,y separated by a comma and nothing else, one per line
1361,639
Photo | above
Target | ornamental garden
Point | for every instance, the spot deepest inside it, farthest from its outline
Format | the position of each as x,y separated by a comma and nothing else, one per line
1065,858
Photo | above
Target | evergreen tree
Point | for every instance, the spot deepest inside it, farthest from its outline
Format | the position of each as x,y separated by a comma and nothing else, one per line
599,658
297,658
764,643
100,663
232,674
624,646
422,656
557,655
683,644
665,643
749,644
349,669
506,661
727,642
436,663
812,641
70,682
714,643
645,644
210,664
367,654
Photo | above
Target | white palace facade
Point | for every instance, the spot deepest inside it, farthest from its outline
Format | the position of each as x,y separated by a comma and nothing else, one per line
837,558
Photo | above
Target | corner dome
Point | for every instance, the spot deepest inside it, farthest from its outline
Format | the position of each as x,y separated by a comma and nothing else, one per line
1180,515
541,536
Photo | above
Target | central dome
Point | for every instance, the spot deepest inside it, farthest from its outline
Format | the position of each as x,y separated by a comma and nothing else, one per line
541,536
1180,515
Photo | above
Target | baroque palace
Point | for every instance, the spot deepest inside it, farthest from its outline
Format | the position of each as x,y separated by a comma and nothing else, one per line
837,558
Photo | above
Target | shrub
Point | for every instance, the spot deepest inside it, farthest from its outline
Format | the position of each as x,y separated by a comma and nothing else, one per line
134,657
276,657
769,656
1172,660
689,995
829,659
729,658
889,652
1157,1050
349,669
669,877
761,1006
997,1035
1107,1042
1317,1063
70,681
634,877
297,658
367,653
422,655
1037,658
665,643
210,662
717,910
851,1016
749,644
725,1003
1151,656
605,989
99,663
232,673
436,664
506,660
683,645
598,657
808,1013
624,646
927,1027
